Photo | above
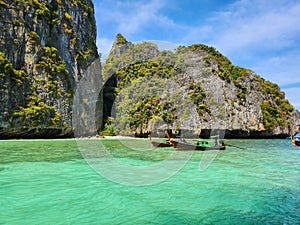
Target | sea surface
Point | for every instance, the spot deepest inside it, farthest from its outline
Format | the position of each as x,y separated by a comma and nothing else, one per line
57,182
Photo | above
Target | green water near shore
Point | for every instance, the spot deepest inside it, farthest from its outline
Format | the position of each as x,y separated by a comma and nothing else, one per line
49,182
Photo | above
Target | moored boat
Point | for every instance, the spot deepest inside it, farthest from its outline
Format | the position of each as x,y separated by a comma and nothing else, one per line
199,146
296,139
182,145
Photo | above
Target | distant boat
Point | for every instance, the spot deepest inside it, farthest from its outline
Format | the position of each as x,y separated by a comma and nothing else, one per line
199,146
160,144
296,139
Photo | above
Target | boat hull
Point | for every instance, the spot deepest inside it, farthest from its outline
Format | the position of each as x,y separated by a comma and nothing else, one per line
188,146
297,142
160,144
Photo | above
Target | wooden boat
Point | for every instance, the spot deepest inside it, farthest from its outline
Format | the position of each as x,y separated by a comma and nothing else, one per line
159,144
296,139
199,146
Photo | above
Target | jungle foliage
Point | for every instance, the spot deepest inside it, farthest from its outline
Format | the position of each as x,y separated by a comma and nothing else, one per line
143,111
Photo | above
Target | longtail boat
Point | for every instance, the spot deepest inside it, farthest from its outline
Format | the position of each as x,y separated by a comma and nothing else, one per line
296,139
200,145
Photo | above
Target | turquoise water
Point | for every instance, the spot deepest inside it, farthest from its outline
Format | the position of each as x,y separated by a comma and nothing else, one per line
49,182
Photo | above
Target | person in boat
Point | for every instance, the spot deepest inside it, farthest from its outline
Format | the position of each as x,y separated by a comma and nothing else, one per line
222,143
201,142
216,141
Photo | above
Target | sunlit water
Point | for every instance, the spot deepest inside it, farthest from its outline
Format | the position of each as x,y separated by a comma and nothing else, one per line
49,182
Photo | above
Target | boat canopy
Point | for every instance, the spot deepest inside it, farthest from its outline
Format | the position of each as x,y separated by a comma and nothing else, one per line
297,135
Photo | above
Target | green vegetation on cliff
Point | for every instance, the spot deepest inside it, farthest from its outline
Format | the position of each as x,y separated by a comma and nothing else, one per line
226,70
51,70
45,48
37,114
198,96
13,84
51,76
7,71
147,69
237,91
276,110
140,84
120,39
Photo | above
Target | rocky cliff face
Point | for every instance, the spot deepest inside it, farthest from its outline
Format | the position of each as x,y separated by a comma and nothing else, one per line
196,89
45,47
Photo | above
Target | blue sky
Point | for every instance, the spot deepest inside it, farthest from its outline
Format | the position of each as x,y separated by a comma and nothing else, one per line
262,35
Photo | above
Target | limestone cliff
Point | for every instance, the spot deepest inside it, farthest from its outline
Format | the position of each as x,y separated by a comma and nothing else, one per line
45,47
194,89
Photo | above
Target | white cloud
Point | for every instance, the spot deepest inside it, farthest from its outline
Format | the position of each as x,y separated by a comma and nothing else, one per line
139,15
282,69
130,17
194,35
257,25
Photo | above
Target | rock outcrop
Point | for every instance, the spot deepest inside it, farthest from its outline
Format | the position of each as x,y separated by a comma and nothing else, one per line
45,48
47,45
197,89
